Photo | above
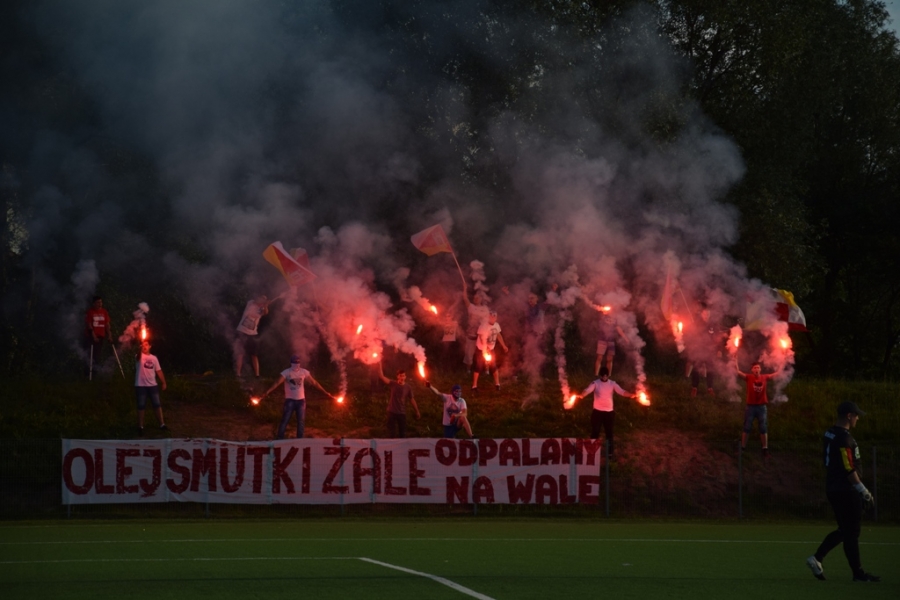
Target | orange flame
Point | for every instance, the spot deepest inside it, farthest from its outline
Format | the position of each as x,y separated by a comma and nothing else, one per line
340,399
606,308
359,329
433,309
487,357
785,343
643,399
737,342
570,402
374,355
143,332
680,326
422,370
254,401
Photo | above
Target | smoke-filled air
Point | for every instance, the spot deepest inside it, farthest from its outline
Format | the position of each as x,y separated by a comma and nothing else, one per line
570,208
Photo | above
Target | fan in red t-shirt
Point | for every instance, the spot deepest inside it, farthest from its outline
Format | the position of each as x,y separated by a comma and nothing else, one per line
96,325
757,399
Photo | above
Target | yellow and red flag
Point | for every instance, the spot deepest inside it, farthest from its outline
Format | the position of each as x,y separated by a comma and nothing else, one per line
293,271
432,240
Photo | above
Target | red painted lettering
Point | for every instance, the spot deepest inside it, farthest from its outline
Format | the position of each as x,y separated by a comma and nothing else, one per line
545,490
487,449
227,486
564,497
85,456
123,472
527,459
389,488
571,449
591,450
305,472
359,472
257,452
468,453
279,471
483,491
445,451
328,486
204,464
415,473
520,492
148,488
457,490
550,452
174,456
586,484
509,453
99,486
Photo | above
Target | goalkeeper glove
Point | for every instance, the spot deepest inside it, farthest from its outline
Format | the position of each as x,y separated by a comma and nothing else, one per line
866,494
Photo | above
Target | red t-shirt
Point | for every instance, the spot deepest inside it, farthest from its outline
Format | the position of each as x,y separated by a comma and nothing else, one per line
97,321
756,389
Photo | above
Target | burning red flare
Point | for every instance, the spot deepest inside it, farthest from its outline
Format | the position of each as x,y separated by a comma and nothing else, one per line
374,355
606,308
359,329
570,402
433,309
340,399
254,401
737,342
680,326
643,399
785,343
143,333
487,357
422,370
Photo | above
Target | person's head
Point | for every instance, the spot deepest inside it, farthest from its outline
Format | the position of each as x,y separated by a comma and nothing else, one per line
532,299
478,299
756,368
455,391
604,373
145,346
492,317
97,302
401,376
848,413
295,360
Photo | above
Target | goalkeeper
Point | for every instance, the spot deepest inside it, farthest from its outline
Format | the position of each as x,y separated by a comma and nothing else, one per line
846,494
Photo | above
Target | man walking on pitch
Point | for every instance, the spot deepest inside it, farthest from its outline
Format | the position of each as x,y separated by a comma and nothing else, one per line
846,494
396,412
147,371
293,379
603,414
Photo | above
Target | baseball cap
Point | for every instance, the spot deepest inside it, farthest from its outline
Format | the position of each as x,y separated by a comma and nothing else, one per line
456,387
849,407
295,359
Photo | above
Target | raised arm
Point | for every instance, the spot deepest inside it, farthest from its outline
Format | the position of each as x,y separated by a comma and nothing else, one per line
381,376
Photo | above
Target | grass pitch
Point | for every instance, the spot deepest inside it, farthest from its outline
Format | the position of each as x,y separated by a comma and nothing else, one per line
441,558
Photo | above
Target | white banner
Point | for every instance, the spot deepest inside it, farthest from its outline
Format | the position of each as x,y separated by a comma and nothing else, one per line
338,471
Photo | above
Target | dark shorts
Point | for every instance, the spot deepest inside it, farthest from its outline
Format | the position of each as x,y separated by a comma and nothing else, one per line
450,431
144,392
758,412
248,343
482,366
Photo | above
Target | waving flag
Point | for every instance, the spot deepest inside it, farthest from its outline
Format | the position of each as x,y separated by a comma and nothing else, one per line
295,273
432,240
788,310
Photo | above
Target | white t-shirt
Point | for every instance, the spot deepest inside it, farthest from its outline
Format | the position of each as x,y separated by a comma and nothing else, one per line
250,320
145,370
603,393
487,336
478,314
452,407
293,383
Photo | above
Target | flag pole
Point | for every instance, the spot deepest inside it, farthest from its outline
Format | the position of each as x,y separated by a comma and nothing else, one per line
686,305
461,276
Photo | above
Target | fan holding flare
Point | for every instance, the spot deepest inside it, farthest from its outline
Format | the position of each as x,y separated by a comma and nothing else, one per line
603,415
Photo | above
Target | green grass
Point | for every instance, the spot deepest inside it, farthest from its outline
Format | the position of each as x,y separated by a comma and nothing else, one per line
497,559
